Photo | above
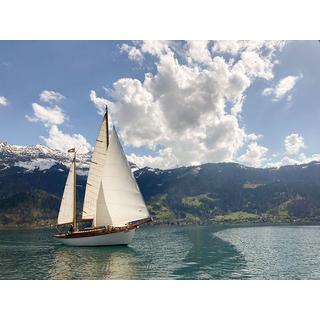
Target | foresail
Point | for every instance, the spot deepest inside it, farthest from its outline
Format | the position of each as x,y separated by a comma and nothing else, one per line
95,171
121,192
102,217
67,202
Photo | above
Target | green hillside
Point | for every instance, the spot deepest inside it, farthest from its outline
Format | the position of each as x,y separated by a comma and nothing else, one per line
212,193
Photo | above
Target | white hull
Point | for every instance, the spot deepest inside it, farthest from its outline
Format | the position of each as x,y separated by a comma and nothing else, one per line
111,239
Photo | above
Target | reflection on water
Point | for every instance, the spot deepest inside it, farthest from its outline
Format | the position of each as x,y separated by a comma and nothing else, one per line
168,252
278,252
93,263
211,257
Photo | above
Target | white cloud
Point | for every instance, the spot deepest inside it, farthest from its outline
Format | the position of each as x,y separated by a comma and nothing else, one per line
100,103
236,47
198,51
133,53
300,159
255,155
256,65
50,96
165,159
52,117
3,101
155,47
47,115
228,46
63,141
305,159
181,109
237,107
152,47
294,143
253,137
282,89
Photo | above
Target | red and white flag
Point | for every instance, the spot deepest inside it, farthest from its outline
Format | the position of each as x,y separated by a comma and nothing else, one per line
72,150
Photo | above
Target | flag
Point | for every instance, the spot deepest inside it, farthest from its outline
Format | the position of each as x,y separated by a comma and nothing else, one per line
72,150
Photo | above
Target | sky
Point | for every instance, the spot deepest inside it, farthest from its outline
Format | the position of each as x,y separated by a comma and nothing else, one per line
174,103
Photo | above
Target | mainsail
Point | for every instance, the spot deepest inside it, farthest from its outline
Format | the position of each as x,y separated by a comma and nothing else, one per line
95,171
67,207
119,200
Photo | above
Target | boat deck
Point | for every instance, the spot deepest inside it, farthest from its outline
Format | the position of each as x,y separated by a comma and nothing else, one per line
90,232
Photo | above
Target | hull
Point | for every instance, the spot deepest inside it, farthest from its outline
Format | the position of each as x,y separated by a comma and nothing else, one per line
106,239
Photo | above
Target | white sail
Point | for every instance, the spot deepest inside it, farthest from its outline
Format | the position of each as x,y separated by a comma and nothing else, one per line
121,199
102,217
95,171
67,202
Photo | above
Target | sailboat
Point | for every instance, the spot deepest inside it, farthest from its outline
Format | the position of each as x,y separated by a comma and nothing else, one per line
112,202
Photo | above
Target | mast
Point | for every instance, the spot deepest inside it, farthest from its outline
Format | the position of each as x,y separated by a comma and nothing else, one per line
75,194
107,125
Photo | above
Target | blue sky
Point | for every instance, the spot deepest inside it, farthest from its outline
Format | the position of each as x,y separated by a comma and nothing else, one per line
158,124
275,120
72,68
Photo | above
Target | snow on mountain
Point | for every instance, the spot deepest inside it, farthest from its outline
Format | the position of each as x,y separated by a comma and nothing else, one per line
38,157
40,164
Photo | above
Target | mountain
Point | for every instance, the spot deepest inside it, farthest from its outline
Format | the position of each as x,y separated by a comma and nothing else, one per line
38,156
32,181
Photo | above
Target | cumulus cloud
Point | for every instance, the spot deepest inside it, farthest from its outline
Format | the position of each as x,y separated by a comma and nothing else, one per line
236,47
254,155
100,103
133,53
47,115
189,107
52,118
50,96
3,101
155,47
151,47
63,141
199,51
305,159
293,143
282,89
253,137
299,159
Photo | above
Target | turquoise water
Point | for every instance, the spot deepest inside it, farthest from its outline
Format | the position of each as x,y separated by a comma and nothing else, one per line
169,252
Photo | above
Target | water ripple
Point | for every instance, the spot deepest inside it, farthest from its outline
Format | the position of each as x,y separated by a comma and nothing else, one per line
168,252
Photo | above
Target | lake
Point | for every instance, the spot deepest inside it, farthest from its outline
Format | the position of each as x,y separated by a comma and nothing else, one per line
169,252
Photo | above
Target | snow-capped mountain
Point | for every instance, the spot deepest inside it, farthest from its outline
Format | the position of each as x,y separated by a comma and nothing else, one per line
32,180
38,157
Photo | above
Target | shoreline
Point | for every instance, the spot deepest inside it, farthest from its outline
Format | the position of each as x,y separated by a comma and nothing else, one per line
26,226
